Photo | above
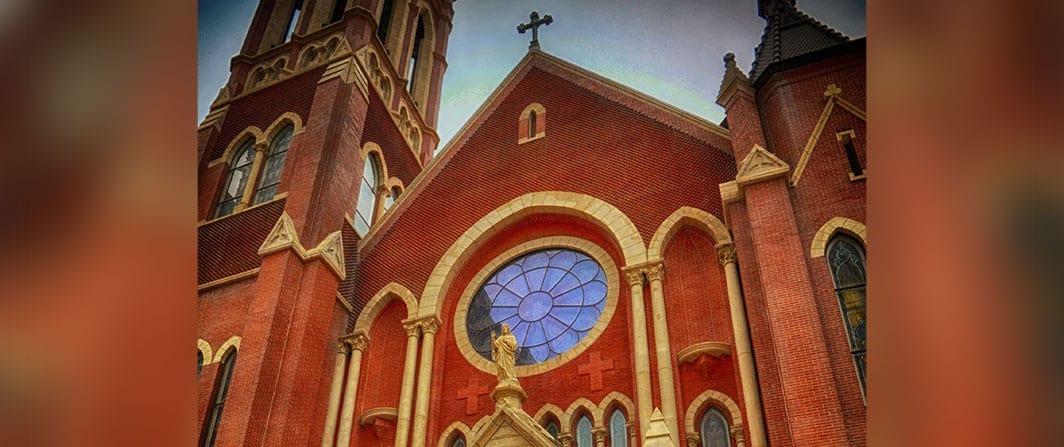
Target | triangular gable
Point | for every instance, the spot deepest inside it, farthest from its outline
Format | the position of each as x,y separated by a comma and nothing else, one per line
649,107
760,165
512,427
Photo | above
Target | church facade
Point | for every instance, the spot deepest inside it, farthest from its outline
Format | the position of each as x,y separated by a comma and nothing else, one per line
667,280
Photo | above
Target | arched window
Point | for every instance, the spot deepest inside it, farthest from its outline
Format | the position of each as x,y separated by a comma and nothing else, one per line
618,429
532,124
337,11
236,181
225,374
415,53
583,432
273,165
714,429
389,200
846,259
367,195
385,21
293,20
458,441
199,362
552,427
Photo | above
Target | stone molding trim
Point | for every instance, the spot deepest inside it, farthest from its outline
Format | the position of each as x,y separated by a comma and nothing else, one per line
615,400
686,216
541,122
833,93
549,409
760,165
385,82
456,428
722,401
232,343
614,224
347,306
326,50
380,300
205,349
348,71
823,235
215,118
388,413
713,348
283,236
260,136
461,337
575,409
228,280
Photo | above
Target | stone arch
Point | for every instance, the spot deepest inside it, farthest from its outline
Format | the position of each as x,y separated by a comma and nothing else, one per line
279,123
253,132
232,343
722,402
850,226
374,148
686,216
421,78
385,296
604,215
456,428
581,403
525,129
548,409
205,349
616,400
395,182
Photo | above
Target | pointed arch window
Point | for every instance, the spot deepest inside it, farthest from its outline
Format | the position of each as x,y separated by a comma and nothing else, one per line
199,362
393,195
532,124
210,434
583,432
458,441
367,195
338,11
237,179
846,259
552,427
273,165
618,429
713,429
385,21
293,20
415,55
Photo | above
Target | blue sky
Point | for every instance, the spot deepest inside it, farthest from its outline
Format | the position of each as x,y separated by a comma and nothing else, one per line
670,50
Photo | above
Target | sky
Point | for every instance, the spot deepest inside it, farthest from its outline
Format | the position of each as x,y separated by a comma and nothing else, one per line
670,50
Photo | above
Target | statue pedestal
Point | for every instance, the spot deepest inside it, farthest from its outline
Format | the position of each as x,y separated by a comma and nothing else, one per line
509,393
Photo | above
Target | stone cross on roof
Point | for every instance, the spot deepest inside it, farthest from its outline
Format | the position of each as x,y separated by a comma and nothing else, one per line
534,23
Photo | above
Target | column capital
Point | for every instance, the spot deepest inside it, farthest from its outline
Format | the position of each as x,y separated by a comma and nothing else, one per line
599,434
693,440
429,325
631,428
726,254
634,276
737,433
413,328
355,342
655,271
565,439
261,147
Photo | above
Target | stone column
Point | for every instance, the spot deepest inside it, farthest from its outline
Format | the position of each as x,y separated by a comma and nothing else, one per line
253,177
737,435
343,349
599,435
747,373
429,326
406,396
633,440
642,355
357,343
655,274
565,439
693,440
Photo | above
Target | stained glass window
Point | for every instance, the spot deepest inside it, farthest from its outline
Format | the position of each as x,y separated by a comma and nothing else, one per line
583,432
239,172
714,429
552,428
847,262
272,165
367,195
618,429
550,298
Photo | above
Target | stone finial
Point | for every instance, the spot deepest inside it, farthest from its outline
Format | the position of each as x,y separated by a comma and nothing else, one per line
734,80
729,60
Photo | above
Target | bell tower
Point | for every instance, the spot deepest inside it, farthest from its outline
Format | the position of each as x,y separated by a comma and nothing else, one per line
328,114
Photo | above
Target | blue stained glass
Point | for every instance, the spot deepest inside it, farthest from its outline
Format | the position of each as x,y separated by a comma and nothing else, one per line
550,298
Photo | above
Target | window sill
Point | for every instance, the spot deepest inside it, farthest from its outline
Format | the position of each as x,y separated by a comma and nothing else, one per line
854,178
275,198
527,139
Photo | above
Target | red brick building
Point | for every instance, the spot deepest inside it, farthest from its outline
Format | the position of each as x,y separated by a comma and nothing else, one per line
651,265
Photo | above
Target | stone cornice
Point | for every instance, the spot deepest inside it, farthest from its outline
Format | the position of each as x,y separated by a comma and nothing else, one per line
284,236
